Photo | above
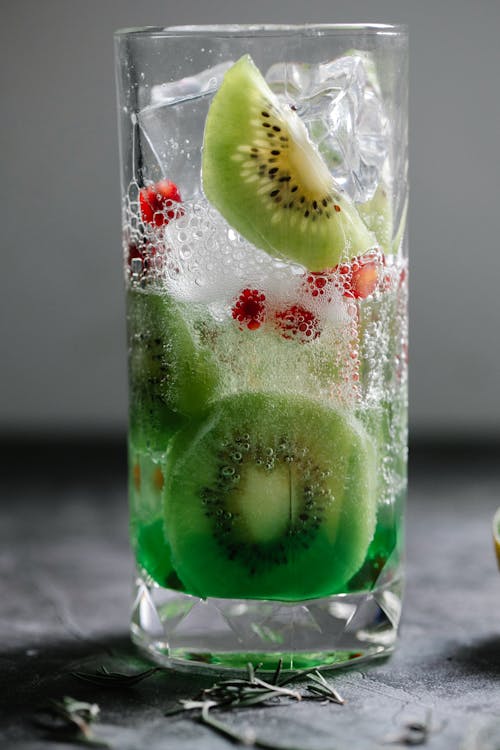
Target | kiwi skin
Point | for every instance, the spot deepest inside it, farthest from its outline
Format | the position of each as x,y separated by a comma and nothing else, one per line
267,179
311,558
171,377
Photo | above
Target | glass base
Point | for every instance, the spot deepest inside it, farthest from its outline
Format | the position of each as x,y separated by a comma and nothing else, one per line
184,632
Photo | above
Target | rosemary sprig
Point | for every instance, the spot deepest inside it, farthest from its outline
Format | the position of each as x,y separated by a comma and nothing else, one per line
252,691
70,720
299,675
104,678
246,737
321,690
240,693
232,693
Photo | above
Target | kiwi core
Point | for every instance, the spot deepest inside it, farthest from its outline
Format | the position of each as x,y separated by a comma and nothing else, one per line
268,503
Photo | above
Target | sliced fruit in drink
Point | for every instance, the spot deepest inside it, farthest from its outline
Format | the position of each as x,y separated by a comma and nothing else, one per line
266,177
145,492
153,554
171,376
377,215
270,496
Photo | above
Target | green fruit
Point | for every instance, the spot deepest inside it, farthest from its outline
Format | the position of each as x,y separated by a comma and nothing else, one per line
265,176
377,215
171,377
271,497
152,552
151,549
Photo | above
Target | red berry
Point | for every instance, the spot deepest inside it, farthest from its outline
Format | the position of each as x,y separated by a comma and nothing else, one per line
249,309
158,203
319,284
360,277
297,322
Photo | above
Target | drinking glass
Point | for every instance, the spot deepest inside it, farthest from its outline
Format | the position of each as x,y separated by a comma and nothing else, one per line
264,189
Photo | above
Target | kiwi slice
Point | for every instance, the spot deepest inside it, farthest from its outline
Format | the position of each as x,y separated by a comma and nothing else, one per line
153,554
171,377
266,177
272,497
147,533
377,215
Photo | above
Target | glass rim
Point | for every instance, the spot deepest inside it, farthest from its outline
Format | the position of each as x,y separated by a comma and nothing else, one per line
252,30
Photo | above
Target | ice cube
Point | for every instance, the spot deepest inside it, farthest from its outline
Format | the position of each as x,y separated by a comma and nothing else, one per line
340,103
173,125
289,80
206,82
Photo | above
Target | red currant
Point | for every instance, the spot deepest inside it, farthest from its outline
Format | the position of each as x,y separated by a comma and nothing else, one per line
249,309
159,203
297,322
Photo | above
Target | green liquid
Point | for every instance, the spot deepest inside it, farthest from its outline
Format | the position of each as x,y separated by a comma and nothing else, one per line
252,361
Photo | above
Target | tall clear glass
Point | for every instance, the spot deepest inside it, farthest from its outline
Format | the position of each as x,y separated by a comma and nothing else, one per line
264,180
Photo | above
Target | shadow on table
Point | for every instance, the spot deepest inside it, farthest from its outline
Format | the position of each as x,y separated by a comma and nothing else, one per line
31,677
481,657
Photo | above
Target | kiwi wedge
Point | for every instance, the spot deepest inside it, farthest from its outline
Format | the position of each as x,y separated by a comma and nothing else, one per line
171,376
377,215
270,496
263,173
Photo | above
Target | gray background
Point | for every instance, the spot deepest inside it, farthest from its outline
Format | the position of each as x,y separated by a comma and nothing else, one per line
62,306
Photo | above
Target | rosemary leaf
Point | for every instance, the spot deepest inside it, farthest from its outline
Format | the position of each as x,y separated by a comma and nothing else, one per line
277,672
256,698
104,678
251,672
281,690
318,685
246,737
190,705
69,720
298,676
